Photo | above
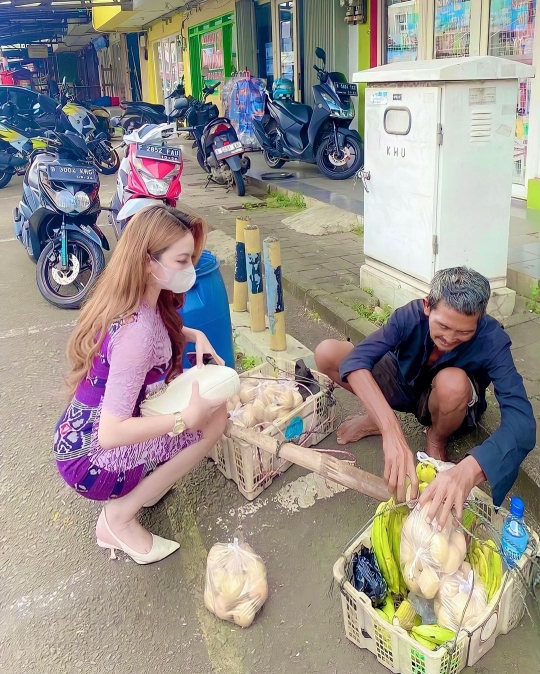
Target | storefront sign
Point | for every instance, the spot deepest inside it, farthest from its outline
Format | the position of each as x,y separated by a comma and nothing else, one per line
38,52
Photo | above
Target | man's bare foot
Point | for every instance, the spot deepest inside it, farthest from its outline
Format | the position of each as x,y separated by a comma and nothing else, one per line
355,428
434,447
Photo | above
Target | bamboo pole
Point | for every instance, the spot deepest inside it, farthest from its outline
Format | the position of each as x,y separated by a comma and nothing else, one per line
254,278
323,464
240,274
274,294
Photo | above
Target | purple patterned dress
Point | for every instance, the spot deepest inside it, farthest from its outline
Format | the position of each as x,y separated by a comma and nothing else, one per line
132,360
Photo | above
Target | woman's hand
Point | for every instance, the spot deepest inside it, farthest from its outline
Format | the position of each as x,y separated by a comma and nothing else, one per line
202,346
197,415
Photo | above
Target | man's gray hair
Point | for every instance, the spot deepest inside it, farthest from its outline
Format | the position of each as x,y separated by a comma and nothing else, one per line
461,288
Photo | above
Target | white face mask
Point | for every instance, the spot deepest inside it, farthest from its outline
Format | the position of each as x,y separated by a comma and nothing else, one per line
178,280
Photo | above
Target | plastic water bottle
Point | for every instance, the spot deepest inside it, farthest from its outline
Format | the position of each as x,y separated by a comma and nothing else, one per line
514,537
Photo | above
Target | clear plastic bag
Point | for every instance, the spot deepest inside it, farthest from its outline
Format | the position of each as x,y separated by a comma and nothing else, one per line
236,585
460,601
427,554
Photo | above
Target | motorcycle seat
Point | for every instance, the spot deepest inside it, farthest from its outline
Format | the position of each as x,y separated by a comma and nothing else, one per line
137,104
298,111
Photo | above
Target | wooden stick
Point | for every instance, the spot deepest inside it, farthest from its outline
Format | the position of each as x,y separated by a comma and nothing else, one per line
255,278
323,464
240,274
274,294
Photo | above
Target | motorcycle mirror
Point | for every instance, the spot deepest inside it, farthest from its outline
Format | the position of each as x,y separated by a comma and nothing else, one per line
321,54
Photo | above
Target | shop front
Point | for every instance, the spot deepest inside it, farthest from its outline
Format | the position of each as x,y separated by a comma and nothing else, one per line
424,29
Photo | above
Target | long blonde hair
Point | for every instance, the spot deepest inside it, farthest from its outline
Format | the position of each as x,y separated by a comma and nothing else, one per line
121,287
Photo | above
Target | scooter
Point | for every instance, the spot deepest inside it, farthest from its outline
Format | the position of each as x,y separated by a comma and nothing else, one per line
56,220
219,152
149,174
17,142
138,113
296,132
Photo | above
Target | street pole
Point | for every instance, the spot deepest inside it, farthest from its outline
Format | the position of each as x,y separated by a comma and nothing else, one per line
254,278
274,294
240,294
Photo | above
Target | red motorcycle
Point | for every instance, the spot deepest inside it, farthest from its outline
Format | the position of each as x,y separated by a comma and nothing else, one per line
149,174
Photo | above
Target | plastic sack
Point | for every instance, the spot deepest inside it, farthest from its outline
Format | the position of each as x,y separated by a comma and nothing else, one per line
236,586
461,600
427,554
367,577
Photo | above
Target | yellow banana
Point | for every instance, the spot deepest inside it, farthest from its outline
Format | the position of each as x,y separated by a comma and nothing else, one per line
376,540
388,608
426,472
382,615
424,642
434,633
405,615
391,567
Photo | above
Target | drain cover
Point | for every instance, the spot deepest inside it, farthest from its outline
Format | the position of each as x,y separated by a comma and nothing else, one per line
276,175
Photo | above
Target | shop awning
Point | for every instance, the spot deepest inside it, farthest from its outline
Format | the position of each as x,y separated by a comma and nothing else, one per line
25,22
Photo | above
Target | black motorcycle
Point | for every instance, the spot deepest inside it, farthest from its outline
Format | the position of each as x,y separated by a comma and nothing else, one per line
219,152
56,220
293,131
138,113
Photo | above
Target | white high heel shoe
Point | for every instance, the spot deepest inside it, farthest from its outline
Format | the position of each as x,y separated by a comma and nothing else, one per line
161,547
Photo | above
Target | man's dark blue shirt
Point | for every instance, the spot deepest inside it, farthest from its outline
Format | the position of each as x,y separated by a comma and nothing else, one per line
486,358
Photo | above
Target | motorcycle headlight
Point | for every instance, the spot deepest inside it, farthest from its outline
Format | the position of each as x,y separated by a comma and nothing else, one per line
83,201
335,109
156,187
65,201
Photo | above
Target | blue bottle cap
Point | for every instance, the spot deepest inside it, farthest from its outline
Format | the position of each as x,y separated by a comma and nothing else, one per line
517,507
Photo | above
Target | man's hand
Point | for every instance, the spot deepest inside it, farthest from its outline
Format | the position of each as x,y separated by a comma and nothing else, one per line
398,465
450,489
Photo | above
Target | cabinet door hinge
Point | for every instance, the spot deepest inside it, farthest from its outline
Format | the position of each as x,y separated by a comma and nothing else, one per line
435,244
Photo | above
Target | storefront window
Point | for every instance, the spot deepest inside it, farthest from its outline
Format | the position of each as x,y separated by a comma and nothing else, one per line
171,65
286,39
401,30
452,28
511,34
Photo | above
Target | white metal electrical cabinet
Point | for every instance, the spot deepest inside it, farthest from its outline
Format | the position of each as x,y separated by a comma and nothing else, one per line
438,165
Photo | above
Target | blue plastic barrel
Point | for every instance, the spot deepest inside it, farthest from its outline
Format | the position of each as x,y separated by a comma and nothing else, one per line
207,309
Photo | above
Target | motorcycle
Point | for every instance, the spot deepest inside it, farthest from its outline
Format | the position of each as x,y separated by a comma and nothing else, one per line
56,220
20,136
296,132
149,174
219,152
102,116
138,113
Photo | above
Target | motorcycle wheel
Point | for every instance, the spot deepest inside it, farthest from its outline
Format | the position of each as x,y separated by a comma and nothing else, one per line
239,182
5,177
273,162
67,290
109,161
332,167
201,161
131,123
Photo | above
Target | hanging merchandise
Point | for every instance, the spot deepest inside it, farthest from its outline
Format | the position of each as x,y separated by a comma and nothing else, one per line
242,99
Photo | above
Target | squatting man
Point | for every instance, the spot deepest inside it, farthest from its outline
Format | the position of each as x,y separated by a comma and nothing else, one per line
435,359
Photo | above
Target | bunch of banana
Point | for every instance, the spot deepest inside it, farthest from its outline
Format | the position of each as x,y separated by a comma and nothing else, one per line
381,546
406,616
432,636
486,561
397,518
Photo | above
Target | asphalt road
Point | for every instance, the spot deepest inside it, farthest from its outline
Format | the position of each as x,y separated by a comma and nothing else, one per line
66,608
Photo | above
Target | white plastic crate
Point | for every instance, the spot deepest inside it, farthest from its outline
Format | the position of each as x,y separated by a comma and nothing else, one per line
392,645
253,469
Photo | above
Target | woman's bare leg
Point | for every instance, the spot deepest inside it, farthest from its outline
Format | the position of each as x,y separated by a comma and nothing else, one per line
121,512
328,357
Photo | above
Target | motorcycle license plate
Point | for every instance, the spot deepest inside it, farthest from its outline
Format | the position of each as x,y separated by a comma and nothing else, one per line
228,150
72,174
160,152
346,88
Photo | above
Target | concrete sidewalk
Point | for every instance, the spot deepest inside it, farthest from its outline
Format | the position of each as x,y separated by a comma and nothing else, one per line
323,273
